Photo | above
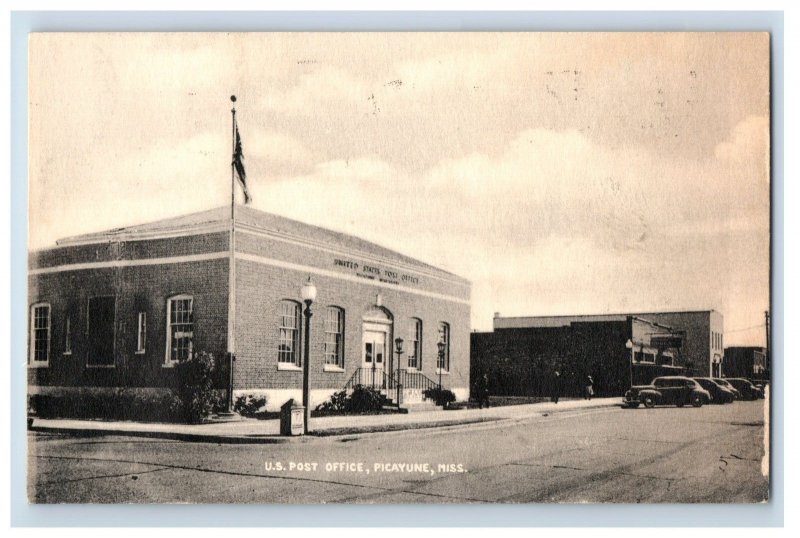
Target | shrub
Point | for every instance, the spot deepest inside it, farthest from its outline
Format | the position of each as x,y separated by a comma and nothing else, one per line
194,386
249,405
119,404
362,400
440,396
366,400
336,404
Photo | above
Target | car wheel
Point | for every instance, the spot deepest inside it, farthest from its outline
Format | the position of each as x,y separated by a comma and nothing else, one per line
649,402
697,401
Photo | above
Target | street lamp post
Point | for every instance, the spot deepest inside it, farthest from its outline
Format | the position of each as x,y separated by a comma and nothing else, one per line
629,345
229,396
308,293
398,346
441,345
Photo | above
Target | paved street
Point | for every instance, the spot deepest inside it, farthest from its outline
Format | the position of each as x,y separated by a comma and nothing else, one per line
710,454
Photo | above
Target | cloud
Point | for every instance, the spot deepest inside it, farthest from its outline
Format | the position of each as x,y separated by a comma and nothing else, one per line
463,69
549,182
318,91
563,172
552,208
748,145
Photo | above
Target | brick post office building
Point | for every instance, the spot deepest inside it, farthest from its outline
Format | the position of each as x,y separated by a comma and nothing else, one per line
120,308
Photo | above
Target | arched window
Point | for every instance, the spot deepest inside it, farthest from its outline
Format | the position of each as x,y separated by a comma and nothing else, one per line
443,359
334,336
289,340
180,328
415,344
40,335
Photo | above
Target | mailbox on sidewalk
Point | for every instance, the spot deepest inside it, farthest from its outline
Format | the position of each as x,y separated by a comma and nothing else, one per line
292,418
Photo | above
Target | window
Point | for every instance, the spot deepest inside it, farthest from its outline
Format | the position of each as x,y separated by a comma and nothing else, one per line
415,344
100,332
67,337
40,335
289,344
141,332
180,328
443,359
334,337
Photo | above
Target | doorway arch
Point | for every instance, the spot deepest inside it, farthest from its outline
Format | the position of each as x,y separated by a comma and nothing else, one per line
377,328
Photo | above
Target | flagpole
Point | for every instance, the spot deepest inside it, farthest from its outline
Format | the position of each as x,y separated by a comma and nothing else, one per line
232,267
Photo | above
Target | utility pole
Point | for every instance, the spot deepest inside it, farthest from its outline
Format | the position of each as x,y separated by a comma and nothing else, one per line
766,326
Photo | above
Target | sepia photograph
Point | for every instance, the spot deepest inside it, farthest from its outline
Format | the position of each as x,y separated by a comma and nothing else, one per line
398,268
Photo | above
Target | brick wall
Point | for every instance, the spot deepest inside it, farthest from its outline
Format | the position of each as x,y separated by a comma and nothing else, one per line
129,250
261,288
697,345
699,348
522,362
740,361
143,288
406,292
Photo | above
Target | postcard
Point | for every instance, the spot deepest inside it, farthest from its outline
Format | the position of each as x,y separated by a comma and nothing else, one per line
383,268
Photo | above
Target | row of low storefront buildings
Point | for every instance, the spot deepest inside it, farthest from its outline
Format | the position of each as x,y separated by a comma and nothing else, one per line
120,308
521,354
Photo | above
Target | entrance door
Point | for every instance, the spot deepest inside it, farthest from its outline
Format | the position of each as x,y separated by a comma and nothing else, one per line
374,357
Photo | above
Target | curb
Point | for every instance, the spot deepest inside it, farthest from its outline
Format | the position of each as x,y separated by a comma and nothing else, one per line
275,439
176,436
565,410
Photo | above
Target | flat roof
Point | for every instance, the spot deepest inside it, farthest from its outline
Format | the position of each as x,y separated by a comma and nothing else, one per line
521,322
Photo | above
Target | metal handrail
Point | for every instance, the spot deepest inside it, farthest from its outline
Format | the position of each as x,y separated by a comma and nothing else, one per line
412,379
372,377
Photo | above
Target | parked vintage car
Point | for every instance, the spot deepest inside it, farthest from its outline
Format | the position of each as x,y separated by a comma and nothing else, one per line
719,394
724,382
667,390
748,390
761,385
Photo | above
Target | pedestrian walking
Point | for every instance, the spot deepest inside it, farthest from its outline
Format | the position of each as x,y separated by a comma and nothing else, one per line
588,390
556,386
482,391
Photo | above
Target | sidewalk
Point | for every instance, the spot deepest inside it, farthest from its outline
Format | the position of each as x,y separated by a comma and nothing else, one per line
268,431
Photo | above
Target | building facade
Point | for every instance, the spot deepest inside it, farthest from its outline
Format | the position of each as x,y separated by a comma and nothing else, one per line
120,308
522,361
702,346
749,362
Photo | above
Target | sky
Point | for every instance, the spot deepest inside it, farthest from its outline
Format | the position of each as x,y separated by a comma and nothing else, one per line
560,173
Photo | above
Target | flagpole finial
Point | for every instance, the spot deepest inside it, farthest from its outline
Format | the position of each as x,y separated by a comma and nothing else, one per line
233,98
